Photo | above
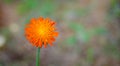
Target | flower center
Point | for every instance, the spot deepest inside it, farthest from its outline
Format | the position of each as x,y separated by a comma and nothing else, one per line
42,31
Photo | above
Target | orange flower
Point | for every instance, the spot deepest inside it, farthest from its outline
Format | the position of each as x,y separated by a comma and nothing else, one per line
41,32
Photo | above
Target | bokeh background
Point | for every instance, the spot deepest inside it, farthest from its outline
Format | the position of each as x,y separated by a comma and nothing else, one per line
89,32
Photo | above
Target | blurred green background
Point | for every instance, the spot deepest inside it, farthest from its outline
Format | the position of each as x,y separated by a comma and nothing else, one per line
89,32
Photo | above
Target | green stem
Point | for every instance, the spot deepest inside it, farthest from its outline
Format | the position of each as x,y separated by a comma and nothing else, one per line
37,57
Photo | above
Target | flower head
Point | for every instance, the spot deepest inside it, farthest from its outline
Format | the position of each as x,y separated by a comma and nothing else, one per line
41,32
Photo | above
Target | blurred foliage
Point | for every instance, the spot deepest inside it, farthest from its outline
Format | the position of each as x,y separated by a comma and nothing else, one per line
100,31
85,35
26,6
43,8
115,8
90,55
112,50
76,26
80,31
71,40
8,1
5,31
47,8
82,12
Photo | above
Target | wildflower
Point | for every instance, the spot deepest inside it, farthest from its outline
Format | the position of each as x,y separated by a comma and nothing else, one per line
41,32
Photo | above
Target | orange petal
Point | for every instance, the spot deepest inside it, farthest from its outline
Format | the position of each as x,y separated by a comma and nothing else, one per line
52,39
36,44
47,19
55,34
40,18
33,20
50,42
45,44
40,44
53,23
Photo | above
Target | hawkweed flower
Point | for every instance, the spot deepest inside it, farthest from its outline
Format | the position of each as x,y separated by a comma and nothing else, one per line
41,31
